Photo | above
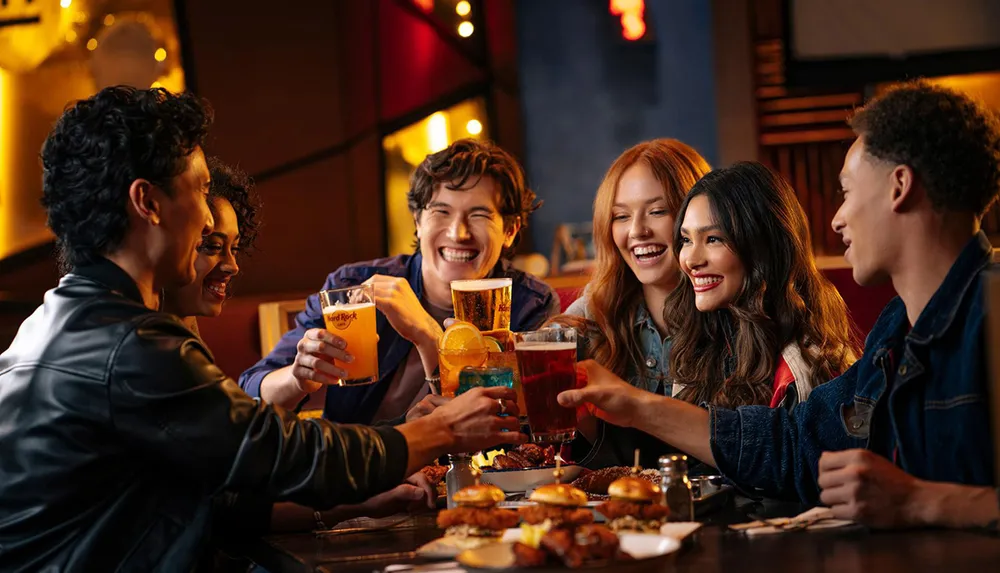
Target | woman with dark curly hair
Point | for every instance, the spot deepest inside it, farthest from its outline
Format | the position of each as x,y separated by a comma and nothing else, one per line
234,206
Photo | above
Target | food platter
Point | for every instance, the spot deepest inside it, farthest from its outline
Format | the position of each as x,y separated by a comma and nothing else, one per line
525,480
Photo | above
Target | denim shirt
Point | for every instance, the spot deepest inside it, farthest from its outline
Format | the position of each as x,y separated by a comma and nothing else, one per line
613,445
532,302
929,384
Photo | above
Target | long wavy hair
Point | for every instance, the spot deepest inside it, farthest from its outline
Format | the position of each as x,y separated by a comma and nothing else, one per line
614,290
784,298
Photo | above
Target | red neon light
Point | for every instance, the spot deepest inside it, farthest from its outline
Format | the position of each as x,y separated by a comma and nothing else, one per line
631,14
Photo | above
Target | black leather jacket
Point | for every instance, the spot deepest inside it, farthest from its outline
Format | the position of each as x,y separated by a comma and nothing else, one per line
118,434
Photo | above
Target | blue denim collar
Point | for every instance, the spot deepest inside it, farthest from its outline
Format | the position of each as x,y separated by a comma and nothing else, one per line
415,275
642,316
940,311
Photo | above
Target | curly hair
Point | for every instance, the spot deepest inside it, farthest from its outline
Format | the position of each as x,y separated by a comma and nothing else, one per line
460,166
951,142
98,147
784,298
234,185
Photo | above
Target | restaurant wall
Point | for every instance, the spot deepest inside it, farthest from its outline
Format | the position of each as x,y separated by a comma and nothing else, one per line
588,94
304,101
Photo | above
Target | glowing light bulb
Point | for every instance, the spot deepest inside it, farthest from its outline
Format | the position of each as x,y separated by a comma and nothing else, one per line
160,55
437,132
474,127
463,8
465,29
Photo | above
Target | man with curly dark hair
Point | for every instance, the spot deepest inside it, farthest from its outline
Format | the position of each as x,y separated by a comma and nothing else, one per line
470,203
903,438
122,443
84,177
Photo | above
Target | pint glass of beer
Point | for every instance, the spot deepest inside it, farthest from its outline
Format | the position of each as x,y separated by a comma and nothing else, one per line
484,302
547,359
350,314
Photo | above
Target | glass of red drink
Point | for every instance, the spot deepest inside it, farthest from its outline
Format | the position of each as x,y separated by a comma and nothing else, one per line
547,360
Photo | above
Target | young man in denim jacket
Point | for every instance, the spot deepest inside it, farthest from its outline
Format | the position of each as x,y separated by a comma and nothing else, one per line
903,437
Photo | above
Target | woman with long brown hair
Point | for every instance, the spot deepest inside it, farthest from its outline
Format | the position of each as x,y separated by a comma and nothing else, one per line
753,320
621,311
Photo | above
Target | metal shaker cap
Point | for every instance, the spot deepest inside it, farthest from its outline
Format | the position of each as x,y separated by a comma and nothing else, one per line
674,463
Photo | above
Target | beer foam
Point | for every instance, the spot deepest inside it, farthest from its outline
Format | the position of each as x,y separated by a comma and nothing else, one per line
480,284
342,307
545,346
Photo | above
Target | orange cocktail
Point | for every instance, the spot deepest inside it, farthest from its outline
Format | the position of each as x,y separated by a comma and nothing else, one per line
461,345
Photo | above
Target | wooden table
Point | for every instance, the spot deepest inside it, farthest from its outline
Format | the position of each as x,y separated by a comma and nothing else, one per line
713,549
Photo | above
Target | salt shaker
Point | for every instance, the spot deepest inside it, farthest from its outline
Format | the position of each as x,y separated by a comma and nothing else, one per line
460,474
677,494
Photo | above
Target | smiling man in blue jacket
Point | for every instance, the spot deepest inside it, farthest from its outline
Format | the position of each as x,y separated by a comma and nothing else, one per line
469,202
903,437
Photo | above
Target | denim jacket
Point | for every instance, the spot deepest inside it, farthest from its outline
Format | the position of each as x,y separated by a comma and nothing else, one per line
918,396
532,302
654,374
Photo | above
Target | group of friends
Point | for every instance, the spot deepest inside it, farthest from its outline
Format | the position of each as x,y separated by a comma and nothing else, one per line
706,328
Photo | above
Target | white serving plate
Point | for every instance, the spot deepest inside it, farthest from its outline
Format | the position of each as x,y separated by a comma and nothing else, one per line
524,481
641,546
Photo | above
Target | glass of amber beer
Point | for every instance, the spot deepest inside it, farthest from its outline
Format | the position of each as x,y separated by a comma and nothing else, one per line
547,359
350,314
484,303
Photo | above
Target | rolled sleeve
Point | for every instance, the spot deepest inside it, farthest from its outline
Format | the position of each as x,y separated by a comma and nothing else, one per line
776,451
725,441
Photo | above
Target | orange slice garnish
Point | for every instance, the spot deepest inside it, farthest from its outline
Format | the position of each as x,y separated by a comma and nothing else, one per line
462,336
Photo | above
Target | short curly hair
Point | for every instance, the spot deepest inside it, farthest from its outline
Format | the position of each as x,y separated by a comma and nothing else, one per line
234,185
951,142
98,147
461,165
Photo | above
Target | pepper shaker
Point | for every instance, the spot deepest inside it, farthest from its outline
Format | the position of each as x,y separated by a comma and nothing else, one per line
677,494
460,474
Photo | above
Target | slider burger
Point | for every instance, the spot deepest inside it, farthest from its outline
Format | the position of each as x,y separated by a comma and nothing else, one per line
476,520
557,505
560,529
634,506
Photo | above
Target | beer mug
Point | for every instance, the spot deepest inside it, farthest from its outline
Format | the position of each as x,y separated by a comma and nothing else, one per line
350,314
547,360
483,302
